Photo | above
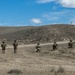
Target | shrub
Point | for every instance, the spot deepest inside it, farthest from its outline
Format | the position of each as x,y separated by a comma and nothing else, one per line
60,69
15,71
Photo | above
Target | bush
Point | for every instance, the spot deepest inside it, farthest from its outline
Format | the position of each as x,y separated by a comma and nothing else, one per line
52,69
60,69
15,71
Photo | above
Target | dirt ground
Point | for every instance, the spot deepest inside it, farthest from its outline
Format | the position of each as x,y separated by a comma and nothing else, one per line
47,62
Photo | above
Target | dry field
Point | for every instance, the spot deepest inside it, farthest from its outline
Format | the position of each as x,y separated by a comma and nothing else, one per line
47,62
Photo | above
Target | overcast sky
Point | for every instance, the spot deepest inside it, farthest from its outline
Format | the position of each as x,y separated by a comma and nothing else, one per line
36,12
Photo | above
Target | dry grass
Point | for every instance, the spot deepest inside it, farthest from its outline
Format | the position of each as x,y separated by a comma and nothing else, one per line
28,62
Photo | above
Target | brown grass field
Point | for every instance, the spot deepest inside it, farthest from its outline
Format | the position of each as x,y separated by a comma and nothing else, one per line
47,62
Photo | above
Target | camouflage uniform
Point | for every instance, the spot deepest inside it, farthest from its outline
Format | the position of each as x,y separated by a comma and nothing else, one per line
38,48
54,46
15,45
70,44
3,46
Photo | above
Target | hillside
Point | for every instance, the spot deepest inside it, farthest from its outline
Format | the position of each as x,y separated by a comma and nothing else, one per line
45,33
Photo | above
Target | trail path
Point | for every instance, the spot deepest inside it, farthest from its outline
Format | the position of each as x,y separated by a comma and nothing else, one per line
30,45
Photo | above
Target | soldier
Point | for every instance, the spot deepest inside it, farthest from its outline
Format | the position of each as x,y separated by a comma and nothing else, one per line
15,45
54,46
70,44
3,46
38,47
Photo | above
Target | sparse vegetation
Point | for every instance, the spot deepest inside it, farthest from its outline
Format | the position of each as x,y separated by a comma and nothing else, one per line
60,70
42,33
31,63
56,71
15,71
27,62
52,69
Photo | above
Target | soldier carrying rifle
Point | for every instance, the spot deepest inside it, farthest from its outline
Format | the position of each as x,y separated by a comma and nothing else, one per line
70,44
38,47
3,46
54,46
15,45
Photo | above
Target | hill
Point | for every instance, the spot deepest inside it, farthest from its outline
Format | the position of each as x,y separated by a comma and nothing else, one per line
46,33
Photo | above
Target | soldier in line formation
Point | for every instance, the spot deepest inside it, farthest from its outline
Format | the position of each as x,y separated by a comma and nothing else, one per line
70,44
15,45
38,48
3,46
54,46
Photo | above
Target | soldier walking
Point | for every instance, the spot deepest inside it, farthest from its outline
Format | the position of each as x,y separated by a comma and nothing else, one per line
15,45
38,47
54,46
70,44
3,46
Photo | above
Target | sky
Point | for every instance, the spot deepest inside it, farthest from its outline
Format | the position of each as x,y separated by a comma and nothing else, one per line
36,12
